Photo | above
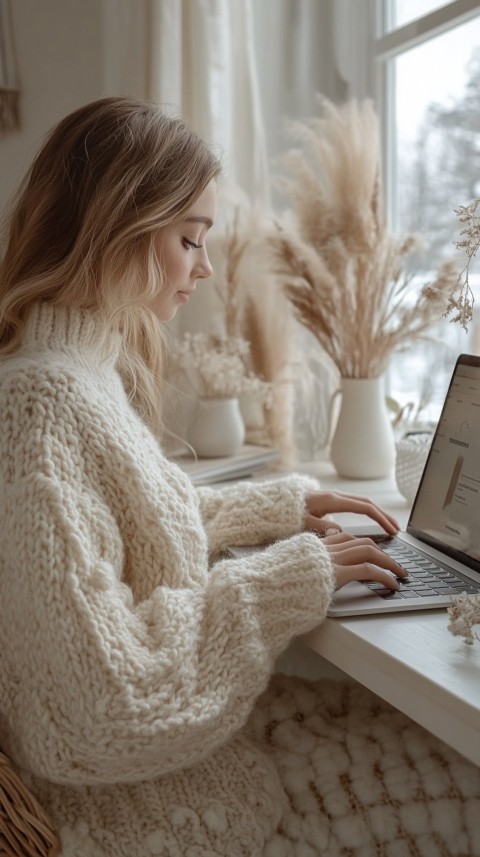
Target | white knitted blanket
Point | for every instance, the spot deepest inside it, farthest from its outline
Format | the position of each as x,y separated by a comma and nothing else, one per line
362,779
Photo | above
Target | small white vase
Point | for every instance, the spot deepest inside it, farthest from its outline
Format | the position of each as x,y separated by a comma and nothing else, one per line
363,445
217,429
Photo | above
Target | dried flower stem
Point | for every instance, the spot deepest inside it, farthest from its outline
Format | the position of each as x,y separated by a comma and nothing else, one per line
361,322
462,301
340,268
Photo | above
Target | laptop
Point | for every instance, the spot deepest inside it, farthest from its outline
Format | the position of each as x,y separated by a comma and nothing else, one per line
440,547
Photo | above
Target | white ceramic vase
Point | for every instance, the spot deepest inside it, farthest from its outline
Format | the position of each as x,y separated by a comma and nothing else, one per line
217,429
363,444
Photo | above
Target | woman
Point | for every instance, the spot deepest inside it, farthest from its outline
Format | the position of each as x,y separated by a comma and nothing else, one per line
130,661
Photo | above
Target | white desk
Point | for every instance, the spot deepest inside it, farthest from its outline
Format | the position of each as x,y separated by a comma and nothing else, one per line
409,659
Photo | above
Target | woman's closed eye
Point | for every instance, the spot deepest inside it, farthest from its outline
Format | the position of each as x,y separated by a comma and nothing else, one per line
191,244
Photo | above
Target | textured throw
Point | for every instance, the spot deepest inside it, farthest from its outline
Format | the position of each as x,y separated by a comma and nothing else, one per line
362,779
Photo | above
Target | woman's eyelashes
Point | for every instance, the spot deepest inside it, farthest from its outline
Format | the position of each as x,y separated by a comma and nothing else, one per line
191,244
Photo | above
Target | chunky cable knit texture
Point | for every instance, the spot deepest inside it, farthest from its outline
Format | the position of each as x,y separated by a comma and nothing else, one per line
134,667
129,661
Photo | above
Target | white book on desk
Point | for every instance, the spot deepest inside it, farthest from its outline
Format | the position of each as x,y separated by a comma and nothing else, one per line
250,460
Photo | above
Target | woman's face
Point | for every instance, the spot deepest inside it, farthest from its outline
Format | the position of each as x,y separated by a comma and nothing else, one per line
182,251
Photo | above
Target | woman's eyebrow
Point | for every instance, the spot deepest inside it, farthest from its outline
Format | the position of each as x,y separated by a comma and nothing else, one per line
200,219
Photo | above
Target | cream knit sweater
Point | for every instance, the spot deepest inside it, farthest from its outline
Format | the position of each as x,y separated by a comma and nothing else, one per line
129,663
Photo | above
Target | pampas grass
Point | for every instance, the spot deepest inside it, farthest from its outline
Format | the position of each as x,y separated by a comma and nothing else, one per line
228,287
251,306
267,324
253,310
341,269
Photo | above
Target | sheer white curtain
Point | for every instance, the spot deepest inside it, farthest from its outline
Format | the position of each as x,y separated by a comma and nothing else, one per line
203,61
296,58
198,57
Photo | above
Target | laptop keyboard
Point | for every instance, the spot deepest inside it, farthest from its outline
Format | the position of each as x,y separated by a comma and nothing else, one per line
425,576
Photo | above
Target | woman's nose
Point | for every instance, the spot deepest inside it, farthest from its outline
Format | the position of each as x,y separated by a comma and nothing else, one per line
204,269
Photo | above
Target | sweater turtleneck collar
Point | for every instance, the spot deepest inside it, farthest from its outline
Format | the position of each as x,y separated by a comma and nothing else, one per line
62,328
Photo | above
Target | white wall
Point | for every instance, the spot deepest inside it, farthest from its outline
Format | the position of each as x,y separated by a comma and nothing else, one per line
58,47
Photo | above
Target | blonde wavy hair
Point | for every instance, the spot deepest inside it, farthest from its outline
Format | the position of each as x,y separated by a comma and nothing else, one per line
81,229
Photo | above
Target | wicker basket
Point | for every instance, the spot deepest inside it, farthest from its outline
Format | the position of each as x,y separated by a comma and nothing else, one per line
411,455
25,829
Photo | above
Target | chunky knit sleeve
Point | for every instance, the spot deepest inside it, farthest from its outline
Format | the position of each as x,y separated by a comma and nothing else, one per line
255,512
124,656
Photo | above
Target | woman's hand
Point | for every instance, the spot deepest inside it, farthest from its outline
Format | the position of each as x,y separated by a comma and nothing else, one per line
323,503
359,558
354,558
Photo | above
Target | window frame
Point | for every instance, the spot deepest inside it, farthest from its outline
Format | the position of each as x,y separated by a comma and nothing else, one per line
365,44
390,43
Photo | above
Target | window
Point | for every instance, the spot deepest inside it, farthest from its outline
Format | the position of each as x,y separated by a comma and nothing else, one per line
428,62
401,12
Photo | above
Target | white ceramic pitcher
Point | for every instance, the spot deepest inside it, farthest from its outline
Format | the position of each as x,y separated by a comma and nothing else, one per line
363,443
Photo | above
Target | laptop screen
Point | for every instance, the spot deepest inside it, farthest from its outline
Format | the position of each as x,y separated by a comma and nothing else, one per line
446,510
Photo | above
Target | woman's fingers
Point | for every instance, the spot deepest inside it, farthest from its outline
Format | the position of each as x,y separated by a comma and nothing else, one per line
323,503
343,540
354,554
322,526
364,506
347,573
360,559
